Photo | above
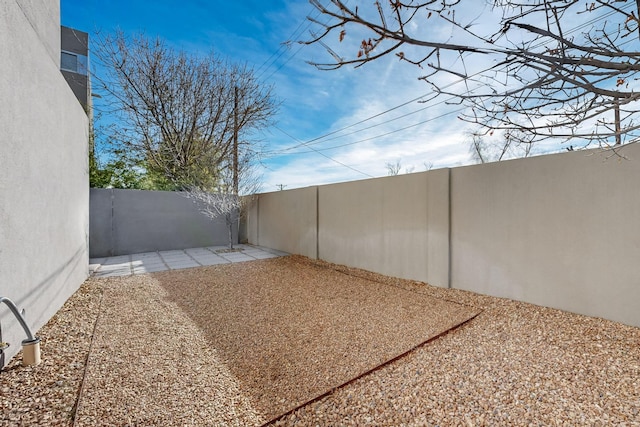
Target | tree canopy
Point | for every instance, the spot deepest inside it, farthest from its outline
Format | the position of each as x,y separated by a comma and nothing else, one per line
531,69
180,115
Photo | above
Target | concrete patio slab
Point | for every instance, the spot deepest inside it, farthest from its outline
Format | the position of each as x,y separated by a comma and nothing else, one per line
149,269
151,262
262,255
198,251
117,260
146,257
237,257
181,264
167,256
208,259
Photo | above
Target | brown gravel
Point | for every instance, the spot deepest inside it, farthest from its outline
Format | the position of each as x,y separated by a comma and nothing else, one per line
150,365
291,330
47,394
513,364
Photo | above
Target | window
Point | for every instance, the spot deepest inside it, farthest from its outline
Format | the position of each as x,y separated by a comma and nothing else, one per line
73,62
69,62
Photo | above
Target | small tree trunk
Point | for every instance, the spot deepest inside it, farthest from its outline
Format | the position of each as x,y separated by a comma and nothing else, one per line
230,227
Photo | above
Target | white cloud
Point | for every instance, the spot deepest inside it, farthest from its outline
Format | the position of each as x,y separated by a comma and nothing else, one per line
326,102
364,93
320,102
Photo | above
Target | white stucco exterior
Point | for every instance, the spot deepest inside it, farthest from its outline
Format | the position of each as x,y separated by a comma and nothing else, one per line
44,189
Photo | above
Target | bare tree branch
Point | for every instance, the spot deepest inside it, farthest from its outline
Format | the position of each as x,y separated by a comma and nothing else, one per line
542,69
223,201
176,110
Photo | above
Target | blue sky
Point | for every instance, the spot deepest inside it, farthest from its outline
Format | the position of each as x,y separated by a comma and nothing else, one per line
315,104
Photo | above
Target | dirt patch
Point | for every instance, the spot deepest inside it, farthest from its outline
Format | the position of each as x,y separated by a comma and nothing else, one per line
242,344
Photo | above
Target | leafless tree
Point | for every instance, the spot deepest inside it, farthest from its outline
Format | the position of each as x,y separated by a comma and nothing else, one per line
535,69
223,200
179,112
507,147
393,169
214,205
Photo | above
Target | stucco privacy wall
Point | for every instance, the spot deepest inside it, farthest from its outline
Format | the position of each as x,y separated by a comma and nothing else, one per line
133,221
44,191
285,220
396,226
561,231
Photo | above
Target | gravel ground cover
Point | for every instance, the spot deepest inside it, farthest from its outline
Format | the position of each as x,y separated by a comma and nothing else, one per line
291,330
513,364
150,365
47,394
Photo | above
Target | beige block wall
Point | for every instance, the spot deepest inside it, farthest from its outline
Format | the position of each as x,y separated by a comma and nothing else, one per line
350,219
395,225
249,220
285,220
438,218
561,231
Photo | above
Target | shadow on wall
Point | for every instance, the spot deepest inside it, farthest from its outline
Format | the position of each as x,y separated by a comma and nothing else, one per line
134,221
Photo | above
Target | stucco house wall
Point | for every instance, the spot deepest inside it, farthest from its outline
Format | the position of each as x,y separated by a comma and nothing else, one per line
44,189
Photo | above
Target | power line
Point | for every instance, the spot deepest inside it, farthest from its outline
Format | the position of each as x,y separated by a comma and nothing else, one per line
296,34
330,158
376,125
284,63
318,150
323,137
309,142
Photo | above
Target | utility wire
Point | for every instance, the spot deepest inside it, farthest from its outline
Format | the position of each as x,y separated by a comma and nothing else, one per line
318,150
284,63
324,137
330,158
284,46
301,46
376,125
309,142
